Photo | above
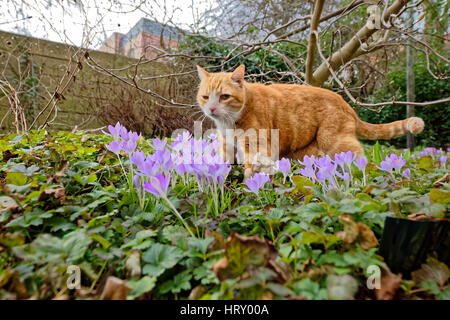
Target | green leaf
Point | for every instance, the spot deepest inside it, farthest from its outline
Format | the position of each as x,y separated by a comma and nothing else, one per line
439,196
16,178
159,258
310,237
180,282
105,243
378,155
75,244
303,185
426,163
141,286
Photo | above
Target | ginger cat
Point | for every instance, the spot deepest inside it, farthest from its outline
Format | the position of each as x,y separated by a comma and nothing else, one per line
311,120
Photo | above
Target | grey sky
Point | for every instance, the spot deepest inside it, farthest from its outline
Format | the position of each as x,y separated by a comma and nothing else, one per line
70,24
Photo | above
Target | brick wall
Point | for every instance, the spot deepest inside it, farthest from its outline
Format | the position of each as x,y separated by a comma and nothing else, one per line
90,92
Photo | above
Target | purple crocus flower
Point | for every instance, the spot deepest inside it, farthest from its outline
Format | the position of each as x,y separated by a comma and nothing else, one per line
308,172
283,165
129,146
114,147
430,151
149,168
137,182
218,172
138,158
339,159
443,160
163,158
385,165
348,157
361,163
159,144
133,136
114,131
345,176
423,153
326,167
406,173
158,185
124,133
256,182
308,161
397,162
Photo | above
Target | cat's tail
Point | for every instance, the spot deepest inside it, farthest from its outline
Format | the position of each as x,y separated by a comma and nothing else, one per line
391,130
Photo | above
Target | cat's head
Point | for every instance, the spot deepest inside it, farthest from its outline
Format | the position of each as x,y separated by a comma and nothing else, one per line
221,95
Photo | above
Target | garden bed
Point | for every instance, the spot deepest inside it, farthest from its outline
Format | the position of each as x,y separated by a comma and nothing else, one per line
150,227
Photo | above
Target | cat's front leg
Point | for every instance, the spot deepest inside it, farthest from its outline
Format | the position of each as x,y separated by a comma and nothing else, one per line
226,150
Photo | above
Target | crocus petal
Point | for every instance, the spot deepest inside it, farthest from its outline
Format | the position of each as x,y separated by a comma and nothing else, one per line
150,188
114,147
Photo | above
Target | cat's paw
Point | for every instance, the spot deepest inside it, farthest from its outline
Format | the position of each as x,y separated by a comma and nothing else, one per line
264,164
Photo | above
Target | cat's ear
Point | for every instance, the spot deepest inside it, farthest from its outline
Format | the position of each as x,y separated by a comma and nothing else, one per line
238,74
202,73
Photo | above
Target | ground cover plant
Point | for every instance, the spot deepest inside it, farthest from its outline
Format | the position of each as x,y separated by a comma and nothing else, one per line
167,219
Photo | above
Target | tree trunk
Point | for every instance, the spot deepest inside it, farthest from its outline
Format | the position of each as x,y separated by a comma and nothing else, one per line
410,80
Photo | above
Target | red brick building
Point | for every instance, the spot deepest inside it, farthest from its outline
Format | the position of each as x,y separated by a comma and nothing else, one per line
142,40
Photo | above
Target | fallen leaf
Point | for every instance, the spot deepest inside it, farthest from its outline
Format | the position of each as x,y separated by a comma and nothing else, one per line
133,264
115,289
366,237
8,154
18,286
244,253
432,270
440,182
357,233
59,193
420,216
389,285
218,242
351,230
197,293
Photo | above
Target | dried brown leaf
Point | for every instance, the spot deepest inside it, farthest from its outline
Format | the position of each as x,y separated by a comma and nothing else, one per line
366,237
389,284
357,233
115,289
440,182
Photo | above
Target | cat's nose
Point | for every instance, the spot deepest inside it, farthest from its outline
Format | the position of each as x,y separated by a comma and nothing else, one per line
212,109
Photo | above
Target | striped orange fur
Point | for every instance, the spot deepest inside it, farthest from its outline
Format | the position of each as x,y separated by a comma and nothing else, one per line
311,120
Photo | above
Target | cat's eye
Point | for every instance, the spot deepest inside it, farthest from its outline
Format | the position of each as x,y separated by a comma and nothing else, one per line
224,96
205,97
